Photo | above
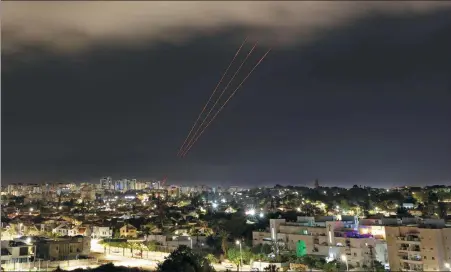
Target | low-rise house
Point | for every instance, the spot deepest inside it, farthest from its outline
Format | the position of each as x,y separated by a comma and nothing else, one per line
64,248
62,229
16,252
79,230
101,232
128,231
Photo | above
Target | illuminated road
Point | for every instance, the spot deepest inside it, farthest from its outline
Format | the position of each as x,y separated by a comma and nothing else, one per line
149,260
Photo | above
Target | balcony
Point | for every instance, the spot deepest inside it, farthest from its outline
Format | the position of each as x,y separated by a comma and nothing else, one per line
409,248
408,239
412,260
403,249
415,249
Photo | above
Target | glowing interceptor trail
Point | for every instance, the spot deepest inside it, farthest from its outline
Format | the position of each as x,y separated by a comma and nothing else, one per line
211,96
220,109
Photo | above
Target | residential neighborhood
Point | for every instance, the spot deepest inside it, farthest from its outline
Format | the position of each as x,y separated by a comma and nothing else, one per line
319,227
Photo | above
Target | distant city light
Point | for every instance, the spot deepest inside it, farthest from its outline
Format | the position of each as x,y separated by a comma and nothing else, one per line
215,205
262,215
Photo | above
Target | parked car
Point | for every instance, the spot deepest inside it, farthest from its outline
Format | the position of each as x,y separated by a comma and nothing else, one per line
229,266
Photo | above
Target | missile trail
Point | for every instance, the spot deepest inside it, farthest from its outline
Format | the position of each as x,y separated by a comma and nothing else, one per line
211,96
220,96
220,109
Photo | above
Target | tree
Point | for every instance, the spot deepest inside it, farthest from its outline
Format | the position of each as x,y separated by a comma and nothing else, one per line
312,262
196,200
138,246
151,246
345,205
224,239
184,260
211,258
378,266
331,267
234,255
271,268
235,225
150,228
116,233
106,267
262,248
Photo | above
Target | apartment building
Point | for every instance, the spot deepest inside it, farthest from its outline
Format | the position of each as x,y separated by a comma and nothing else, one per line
125,185
330,237
107,183
421,247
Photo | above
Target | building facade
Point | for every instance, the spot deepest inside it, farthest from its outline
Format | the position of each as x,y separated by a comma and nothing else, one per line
422,247
328,237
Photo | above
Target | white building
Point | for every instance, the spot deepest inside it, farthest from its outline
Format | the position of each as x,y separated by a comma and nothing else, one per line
125,185
15,252
106,183
99,232
328,237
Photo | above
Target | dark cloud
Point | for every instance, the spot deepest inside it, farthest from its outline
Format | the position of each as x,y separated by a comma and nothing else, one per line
367,102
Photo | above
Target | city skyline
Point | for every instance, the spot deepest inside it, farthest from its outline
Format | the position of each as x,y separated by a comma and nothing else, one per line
365,101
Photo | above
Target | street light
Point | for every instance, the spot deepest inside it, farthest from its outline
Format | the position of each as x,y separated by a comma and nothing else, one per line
191,240
345,259
241,254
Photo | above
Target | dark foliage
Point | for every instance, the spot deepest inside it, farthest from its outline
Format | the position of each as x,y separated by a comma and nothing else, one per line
184,260
105,268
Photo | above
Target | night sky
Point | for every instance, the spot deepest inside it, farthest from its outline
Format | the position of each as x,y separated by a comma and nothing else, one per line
356,95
